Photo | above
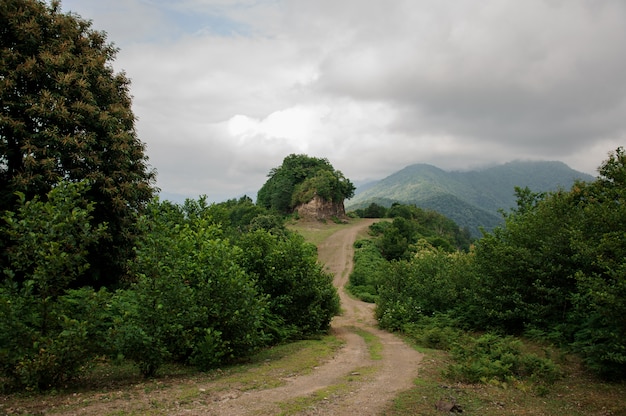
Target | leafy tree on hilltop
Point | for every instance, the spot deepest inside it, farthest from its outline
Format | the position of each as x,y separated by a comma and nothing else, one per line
299,179
66,116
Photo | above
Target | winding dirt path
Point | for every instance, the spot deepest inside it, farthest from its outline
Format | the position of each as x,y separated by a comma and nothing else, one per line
397,369
363,395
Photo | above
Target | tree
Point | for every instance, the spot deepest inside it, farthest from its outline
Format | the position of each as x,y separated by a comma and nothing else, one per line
299,179
192,301
374,211
599,244
558,266
41,343
65,115
301,297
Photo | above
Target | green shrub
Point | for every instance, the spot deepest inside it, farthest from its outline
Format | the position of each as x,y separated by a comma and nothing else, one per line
189,288
432,282
437,332
300,295
208,350
45,340
369,267
491,357
76,332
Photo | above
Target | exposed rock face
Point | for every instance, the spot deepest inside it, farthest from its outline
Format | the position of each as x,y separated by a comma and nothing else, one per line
320,209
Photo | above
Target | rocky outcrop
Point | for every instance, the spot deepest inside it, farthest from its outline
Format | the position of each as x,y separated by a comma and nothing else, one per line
320,209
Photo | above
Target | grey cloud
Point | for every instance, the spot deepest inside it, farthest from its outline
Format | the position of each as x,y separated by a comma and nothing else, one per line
377,84
551,75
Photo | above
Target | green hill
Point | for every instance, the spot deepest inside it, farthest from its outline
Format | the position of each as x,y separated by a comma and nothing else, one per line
471,198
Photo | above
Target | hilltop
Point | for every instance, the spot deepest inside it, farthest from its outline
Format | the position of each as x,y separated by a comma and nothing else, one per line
473,198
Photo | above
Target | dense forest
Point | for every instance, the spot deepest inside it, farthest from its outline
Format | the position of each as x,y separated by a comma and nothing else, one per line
554,271
208,285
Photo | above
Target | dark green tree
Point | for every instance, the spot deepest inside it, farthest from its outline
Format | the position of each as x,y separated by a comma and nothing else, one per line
301,297
41,343
298,179
558,266
599,244
66,115
374,211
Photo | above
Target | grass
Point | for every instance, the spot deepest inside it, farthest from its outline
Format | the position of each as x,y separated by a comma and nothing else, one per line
317,399
316,232
176,386
576,394
374,346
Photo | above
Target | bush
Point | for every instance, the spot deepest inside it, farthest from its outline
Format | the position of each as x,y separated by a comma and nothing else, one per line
438,332
34,359
301,296
192,301
368,271
431,282
46,338
491,357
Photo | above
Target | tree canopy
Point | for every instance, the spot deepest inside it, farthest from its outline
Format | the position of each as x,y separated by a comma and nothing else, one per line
65,115
299,179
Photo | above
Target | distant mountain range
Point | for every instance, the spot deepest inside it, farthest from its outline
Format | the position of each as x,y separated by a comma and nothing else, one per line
471,198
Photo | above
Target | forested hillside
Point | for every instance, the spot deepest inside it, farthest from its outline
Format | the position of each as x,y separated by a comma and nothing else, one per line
473,198
554,271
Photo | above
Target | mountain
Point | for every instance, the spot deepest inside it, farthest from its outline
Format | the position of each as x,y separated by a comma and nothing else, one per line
471,198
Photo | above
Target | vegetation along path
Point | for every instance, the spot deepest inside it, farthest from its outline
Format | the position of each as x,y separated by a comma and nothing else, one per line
363,377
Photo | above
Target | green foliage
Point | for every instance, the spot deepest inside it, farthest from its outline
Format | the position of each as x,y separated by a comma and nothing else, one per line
199,298
302,299
492,358
472,199
209,350
558,265
66,116
35,359
191,297
373,210
599,245
368,271
411,224
432,282
555,268
49,239
438,331
44,341
298,179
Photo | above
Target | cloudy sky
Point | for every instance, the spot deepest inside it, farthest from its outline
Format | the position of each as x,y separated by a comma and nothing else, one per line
225,89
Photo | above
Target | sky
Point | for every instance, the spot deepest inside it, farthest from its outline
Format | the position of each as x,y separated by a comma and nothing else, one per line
224,90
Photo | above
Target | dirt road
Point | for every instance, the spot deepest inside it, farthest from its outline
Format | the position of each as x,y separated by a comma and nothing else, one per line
373,383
